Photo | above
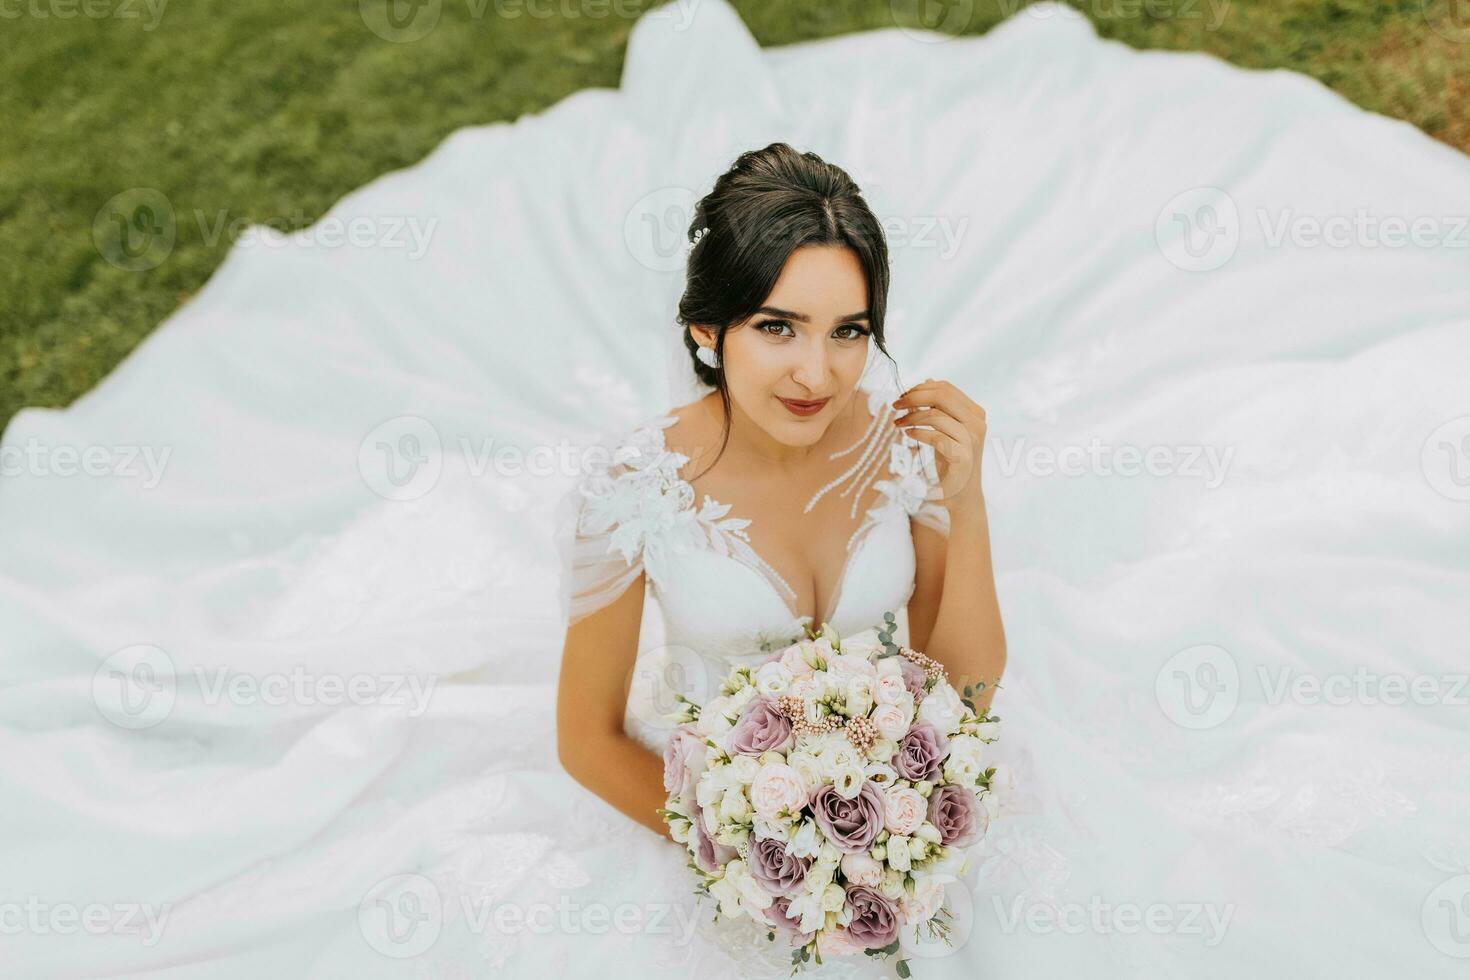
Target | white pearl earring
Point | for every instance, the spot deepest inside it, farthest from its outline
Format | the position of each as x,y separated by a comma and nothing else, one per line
708,356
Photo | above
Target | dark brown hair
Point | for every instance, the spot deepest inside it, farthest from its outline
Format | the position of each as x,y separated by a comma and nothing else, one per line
769,203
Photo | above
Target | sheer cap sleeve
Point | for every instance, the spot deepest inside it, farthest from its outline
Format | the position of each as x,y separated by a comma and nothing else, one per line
615,522
914,483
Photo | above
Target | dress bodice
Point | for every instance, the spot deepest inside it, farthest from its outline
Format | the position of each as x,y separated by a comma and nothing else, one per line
722,604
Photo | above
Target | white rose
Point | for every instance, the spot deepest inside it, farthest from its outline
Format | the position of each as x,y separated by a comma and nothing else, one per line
734,806
776,788
861,869
925,903
819,876
773,679
751,891
893,886
713,723
859,695
863,643
808,766
903,809
927,831
891,721
943,709
807,688
898,853
888,667
833,898
964,765
988,730
852,663
735,703
838,753
771,828
743,768
889,688
882,749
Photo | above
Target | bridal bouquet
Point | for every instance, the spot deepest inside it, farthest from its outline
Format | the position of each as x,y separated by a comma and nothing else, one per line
830,793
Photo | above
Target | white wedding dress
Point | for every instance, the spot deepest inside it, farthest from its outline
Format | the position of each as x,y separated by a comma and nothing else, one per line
345,487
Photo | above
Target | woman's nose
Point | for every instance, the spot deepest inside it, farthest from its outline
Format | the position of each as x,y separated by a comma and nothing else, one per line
811,369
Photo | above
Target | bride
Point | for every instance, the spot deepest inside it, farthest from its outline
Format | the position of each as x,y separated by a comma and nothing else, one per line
790,495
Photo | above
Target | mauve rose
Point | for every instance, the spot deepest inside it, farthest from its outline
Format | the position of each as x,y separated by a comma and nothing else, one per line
785,923
958,815
684,746
920,753
851,825
874,918
913,677
775,868
710,855
760,728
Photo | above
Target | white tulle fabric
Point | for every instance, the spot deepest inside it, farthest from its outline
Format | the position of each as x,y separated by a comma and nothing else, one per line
1334,833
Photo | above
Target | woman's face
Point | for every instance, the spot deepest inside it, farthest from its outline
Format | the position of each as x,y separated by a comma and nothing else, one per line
808,342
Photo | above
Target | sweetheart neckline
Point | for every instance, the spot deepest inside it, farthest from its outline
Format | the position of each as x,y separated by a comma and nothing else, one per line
870,520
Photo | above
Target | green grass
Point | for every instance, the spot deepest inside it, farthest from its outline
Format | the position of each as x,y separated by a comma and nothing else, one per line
269,112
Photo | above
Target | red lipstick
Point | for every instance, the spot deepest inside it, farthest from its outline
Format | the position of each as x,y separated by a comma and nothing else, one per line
803,408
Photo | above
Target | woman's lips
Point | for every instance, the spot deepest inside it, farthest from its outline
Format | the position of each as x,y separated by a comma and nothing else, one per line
803,408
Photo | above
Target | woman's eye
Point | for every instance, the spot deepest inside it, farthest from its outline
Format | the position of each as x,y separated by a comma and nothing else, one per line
856,332
773,323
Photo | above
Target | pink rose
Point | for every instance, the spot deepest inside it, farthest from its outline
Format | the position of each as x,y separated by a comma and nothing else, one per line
903,810
683,754
760,728
862,869
835,942
792,659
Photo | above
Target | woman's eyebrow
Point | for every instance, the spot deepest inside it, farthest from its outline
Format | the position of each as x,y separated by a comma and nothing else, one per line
792,315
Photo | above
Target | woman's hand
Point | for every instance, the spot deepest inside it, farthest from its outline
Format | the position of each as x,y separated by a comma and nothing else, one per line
956,431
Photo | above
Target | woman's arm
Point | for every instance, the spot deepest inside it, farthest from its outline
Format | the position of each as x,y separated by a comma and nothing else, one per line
954,614
591,697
